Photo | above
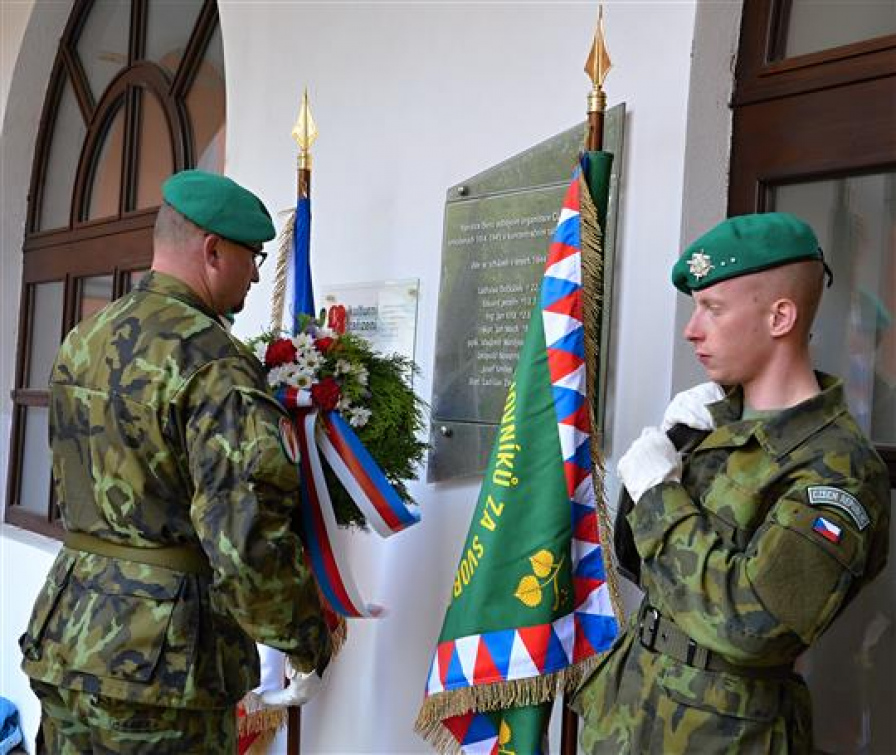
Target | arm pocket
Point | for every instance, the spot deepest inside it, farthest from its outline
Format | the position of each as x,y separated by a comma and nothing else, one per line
800,576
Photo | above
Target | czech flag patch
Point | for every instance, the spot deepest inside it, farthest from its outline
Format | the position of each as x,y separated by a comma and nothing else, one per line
828,530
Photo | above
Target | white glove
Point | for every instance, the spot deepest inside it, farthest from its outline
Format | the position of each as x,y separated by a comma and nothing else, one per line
652,459
301,688
689,407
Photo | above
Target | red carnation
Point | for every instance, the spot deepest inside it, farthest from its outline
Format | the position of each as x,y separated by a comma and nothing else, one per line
323,345
281,351
326,394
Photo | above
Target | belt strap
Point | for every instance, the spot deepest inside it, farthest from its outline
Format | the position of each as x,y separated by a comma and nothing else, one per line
662,635
183,558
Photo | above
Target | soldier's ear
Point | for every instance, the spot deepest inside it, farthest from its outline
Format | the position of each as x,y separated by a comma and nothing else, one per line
782,317
210,253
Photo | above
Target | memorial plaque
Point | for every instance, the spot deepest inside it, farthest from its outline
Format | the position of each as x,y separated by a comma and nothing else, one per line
382,312
497,229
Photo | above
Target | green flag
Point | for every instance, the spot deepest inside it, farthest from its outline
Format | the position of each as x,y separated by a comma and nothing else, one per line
531,609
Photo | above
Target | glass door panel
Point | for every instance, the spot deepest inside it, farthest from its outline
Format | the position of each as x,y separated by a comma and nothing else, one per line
850,669
813,26
855,332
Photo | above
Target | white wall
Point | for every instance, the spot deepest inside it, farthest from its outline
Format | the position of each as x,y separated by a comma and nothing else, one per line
410,99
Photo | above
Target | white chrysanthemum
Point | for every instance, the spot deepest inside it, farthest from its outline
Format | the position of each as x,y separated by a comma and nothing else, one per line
358,417
344,404
303,343
303,381
312,360
290,374
361,374
276,376
261,349
343,367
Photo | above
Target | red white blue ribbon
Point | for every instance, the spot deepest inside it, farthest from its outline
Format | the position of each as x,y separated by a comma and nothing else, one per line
364,481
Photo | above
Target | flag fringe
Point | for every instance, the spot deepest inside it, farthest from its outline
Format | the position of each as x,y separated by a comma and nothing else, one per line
284,248
491,697
259,718
593,285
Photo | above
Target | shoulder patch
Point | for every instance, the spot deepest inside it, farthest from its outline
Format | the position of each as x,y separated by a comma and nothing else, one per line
825,495
289,439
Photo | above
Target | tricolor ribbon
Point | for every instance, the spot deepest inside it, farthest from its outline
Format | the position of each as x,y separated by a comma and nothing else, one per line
364,481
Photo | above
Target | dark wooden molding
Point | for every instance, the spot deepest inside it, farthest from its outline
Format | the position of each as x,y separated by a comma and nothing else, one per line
28,520
888,454
58,79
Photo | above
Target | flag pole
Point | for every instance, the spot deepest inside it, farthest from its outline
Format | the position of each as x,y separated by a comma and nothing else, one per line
596,66
304,133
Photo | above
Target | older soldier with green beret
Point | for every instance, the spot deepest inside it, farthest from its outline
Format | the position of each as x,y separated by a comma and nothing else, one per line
173,475
754,541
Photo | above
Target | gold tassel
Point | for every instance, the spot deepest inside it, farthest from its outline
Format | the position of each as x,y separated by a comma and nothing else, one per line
260,717
284,247
593,294
492,697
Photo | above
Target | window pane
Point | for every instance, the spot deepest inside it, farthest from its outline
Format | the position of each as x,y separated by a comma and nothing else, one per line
156,161
134,278
34,494
104,193
46,330
205,102
103,44
65,149
168,31
855,333
818,25
96,293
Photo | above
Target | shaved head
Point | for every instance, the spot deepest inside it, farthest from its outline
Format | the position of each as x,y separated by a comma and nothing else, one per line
800,282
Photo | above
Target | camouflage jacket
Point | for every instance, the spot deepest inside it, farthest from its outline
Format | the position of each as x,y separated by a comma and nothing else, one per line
163,434
776,525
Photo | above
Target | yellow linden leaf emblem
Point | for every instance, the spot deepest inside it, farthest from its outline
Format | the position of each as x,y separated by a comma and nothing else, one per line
542,563
700,264
529,591
504,734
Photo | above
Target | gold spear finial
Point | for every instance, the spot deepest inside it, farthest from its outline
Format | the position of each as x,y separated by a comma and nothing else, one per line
598,65
305,132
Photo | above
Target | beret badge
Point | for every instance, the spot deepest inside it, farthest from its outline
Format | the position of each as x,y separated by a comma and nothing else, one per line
700,264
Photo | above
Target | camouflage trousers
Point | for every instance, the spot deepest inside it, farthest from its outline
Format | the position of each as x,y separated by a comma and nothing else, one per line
642,702
79,723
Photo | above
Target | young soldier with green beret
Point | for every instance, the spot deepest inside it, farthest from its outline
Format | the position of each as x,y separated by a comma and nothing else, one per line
178,499
753,542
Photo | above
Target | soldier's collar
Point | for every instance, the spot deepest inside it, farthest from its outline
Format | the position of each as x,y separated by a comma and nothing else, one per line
791,427
168,285
788,428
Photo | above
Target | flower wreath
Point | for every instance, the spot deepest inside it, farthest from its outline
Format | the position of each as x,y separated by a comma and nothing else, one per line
371,391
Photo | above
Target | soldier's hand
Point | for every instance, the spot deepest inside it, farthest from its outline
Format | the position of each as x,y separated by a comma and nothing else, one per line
689,407
301,687
652,459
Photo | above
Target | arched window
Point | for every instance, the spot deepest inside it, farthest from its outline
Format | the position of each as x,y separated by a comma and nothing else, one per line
136,93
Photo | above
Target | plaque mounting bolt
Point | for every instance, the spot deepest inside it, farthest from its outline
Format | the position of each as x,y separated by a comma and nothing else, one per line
446,431
462,191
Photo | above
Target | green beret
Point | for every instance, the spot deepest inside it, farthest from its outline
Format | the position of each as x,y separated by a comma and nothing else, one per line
219,205
742,245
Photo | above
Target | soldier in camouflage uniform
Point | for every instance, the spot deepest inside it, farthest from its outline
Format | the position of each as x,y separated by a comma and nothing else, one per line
760,536
175,475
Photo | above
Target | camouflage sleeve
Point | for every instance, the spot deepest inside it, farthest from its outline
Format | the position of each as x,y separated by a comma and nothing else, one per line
762,604
246,495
